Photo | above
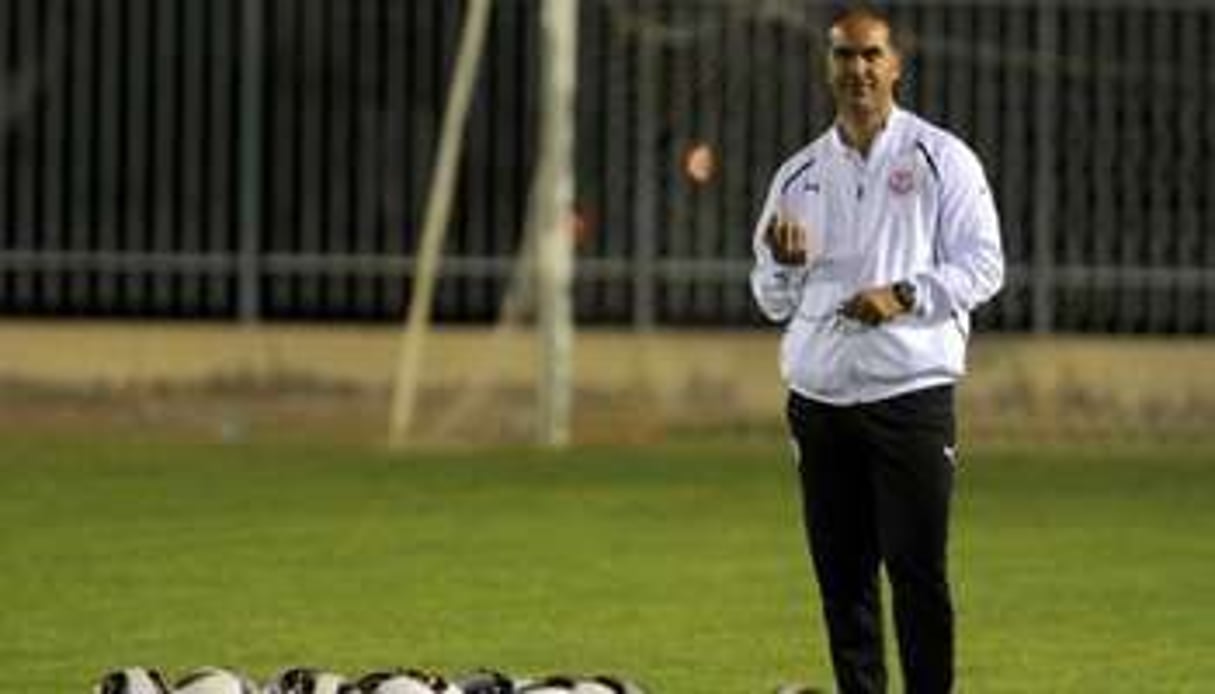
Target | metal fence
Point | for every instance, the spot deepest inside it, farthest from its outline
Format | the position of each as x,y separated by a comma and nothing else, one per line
269,159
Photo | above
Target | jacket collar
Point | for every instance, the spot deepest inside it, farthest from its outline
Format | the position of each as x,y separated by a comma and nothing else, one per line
880,141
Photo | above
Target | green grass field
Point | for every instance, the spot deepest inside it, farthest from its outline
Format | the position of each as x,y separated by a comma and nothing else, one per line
1077,570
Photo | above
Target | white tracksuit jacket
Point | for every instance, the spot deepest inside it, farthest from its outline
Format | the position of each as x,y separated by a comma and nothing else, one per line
918,208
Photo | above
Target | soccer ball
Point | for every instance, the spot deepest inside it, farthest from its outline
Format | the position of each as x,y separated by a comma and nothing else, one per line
485,682
606,684
553,684
132,680
404,682
599,684
214,680
305,680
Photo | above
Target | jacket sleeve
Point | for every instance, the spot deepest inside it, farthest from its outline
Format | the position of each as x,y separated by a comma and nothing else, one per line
969,267
777,288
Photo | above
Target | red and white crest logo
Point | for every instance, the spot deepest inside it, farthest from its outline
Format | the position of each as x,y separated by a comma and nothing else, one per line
902,181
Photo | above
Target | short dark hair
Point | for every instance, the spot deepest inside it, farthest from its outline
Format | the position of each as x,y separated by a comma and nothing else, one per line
850,10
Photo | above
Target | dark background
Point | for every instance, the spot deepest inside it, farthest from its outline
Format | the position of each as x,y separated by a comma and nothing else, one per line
270,159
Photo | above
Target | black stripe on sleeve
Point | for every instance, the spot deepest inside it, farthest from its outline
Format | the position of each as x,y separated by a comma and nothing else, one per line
784,188
932,164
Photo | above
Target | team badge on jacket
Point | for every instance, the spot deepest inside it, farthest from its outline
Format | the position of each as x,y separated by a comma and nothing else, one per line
902,181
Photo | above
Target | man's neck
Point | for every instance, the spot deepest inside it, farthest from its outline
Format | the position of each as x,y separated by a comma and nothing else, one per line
861,127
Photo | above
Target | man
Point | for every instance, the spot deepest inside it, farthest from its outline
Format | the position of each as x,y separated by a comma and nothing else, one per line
874,244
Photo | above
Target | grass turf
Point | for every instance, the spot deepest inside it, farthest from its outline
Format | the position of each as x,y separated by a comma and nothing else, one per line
1076,570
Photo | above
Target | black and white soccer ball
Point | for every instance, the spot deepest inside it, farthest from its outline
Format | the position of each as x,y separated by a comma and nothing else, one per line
215,680
402,682
485,682
606,684
564,684
132,680
306,680
552,684
799,689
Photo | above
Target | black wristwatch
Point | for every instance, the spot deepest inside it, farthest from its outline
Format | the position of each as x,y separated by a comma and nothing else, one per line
904,293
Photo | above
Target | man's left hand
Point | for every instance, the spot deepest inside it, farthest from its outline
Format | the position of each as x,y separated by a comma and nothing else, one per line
873,306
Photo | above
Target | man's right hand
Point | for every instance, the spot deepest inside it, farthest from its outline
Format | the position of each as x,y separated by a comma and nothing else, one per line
787,240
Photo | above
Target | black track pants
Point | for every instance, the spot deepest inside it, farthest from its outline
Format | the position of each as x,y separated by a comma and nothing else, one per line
876,484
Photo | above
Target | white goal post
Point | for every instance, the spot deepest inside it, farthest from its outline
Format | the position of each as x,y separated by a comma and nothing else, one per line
434,226
550,220
548,227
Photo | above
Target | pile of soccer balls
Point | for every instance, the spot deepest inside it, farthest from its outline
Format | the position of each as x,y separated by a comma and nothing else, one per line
304,680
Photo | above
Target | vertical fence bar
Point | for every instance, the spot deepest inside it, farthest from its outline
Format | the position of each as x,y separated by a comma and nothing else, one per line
1103,133
164,138
706,228
393,157
934,59
1208,182
448,16
80,212
116,56
645,199
222,177
54,93
283,168
1135,154
420,131
1162,165
1074,126
1200,121
522,25
480,179
338,138
1015,175
368,24
27,129
987,112
112,93
1190,103
136,196
210,27
313,158
617,60
193,84
675,223
252,86
7,119
764,138
1046,47
959,69
589,294
734,184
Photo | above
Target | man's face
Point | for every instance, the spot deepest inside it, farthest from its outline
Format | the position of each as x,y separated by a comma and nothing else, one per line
862,65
